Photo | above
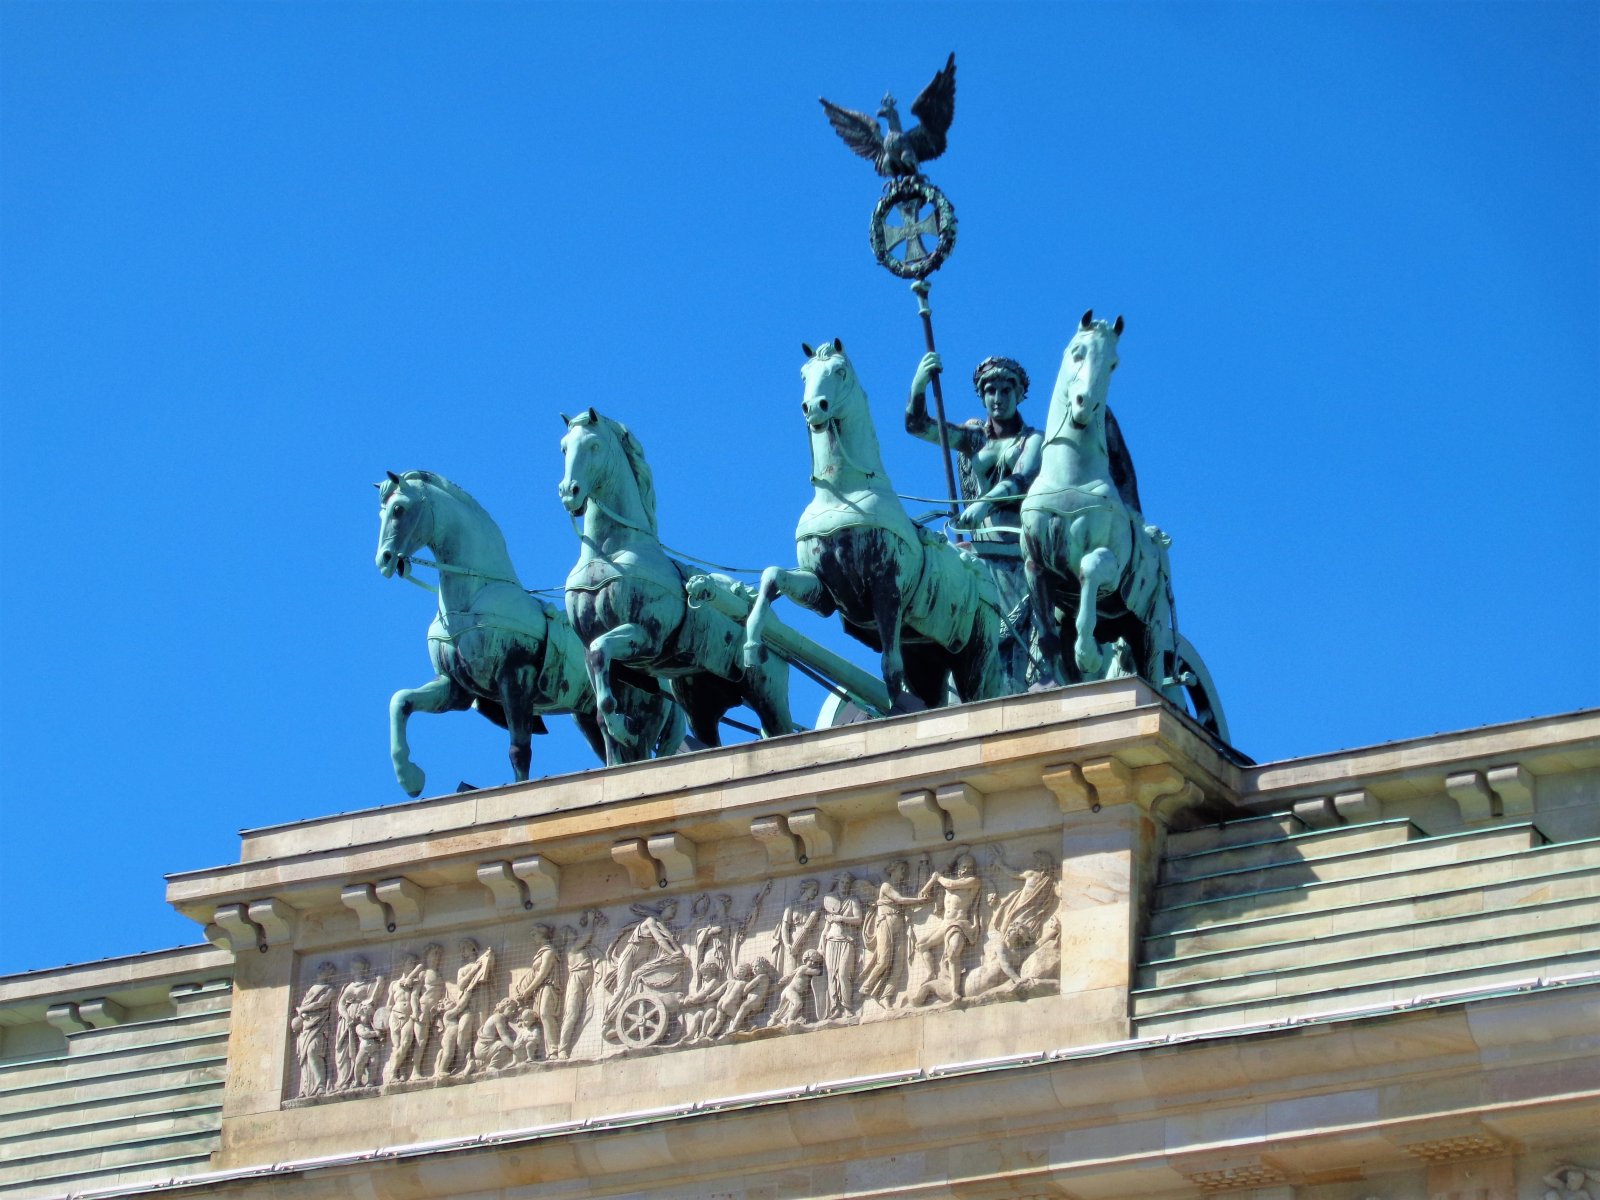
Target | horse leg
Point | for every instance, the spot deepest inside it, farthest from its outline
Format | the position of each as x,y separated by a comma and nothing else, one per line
886,610
698,696
519,724
438,695
979,668
1097,572
1041,599
767,692
625,642
803,587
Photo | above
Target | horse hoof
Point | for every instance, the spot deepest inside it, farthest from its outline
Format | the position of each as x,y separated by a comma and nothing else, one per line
411,778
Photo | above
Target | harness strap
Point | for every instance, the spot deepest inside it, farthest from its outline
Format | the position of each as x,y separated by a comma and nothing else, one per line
672,550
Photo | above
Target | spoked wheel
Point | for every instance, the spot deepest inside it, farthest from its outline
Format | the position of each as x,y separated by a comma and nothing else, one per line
641,1022
1196,681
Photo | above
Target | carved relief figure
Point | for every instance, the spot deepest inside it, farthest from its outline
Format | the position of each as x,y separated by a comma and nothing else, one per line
368,1040
1566,1182
496,1043
539,987
401,1017
795,926
943,945
885,932
1027,909
800,985
1041,970
310,1026
641,944
580,982
841,929
528,1037
458,1016
1003,951
430,1000
360,991
739,999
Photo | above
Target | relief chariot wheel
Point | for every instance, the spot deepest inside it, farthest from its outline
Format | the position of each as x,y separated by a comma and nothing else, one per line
911,215
642,1021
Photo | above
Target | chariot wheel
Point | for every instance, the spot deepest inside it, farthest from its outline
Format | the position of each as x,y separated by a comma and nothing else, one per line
641,1022
1193,677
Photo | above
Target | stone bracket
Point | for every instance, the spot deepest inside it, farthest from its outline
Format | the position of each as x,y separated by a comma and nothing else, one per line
796,839
259,923
954,811
676,854
65,1018
385,906
817,831
658,860
1321,812
101,1013
782,846
1159,789
524,885
79,1016
274,918
1499,792
631,855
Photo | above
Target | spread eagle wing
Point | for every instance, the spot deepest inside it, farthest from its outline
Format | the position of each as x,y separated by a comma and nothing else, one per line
859,131
936,109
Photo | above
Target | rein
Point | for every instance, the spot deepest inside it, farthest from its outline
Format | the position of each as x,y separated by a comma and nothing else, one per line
452,569
838,440
608,511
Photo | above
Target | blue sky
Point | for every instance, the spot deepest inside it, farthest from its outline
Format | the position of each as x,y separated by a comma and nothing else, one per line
252,256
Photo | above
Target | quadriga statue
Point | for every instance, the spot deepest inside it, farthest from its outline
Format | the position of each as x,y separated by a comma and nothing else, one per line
493,646
931,610
1093,566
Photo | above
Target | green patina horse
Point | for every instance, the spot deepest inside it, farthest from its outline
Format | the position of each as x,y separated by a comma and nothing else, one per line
493,646
626,600
1088,554
931,610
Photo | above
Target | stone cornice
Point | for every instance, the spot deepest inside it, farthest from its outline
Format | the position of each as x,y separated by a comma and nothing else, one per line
819,781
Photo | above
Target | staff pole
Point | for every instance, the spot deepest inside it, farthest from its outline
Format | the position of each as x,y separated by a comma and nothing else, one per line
921,288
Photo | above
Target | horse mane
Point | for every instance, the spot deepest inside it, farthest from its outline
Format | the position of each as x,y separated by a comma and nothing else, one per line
454,490
634,454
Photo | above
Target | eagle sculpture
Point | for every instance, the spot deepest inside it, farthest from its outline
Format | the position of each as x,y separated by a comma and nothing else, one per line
901,152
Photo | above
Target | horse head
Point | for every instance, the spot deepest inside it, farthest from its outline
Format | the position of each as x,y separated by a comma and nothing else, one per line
830,383
1086,368
404,520
582,451
603,459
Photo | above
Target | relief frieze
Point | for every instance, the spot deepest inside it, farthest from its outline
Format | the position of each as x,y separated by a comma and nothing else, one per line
871,942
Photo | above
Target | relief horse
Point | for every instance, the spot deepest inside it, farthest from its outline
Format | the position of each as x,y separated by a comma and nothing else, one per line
627,602
493,646
1089,556
931,610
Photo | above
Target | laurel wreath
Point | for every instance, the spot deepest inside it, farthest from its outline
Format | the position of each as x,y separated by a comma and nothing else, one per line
902,191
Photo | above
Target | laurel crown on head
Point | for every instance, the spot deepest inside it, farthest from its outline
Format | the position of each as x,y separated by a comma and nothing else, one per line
990,367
